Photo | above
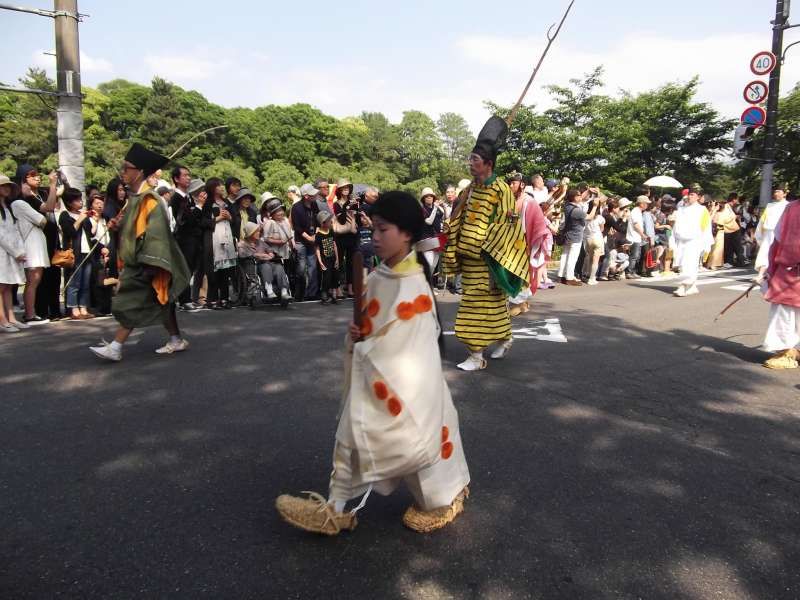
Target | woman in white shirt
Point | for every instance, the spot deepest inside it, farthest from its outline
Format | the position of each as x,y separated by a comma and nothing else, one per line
31,224
12,257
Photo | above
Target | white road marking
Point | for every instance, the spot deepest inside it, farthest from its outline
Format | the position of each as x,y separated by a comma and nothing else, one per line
548,330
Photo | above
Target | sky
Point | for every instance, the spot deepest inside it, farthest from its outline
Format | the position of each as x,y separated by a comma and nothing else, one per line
436,56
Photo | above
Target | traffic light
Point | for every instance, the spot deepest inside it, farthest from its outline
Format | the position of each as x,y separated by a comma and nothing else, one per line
743,140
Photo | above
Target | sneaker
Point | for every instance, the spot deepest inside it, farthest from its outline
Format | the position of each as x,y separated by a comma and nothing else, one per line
19,325
474,362
9,328
171,347
285,295
106,352
602,278
431,520
334,300
783,360
270,293
502,349
592,282
314,514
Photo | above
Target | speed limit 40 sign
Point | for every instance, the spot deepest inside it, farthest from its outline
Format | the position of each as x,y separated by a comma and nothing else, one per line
763,63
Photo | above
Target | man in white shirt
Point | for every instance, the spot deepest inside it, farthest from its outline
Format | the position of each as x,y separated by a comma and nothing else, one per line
635,234
538,189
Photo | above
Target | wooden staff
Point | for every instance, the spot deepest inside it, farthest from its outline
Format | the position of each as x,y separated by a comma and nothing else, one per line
744,295
358,288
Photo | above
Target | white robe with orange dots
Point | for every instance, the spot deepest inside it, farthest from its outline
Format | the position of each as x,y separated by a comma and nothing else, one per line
398,422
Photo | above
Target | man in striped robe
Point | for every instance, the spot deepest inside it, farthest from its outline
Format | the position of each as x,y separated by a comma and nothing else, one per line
486,245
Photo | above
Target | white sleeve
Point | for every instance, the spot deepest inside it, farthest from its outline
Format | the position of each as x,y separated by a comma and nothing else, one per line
23,210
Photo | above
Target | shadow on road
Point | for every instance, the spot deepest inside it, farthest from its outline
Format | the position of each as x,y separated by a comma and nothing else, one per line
634,463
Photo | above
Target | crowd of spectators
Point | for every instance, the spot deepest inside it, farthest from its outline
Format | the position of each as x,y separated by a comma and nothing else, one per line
249,249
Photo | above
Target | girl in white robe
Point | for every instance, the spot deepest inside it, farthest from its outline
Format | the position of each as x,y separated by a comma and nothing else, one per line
693,239
765,231
397,423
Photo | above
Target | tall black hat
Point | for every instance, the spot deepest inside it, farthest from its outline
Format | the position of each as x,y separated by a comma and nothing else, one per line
491,139
146,160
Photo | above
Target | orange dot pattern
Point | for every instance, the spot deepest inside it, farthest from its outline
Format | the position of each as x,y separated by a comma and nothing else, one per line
405,310
366,326
421,304
373,307
394,406
447,450
447,446
381,391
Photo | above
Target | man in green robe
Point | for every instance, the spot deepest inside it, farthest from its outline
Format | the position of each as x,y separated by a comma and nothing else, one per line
154,271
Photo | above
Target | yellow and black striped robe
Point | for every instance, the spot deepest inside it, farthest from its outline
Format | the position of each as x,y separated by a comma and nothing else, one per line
478,246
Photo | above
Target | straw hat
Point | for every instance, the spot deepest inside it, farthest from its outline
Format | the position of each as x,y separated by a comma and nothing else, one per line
4,180
462,185
427,192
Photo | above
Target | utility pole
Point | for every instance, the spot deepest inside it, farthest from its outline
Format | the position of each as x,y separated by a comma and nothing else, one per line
68,81
771,125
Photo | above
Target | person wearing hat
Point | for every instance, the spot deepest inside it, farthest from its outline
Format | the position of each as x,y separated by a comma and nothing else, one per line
155,271
398,423
782,291
293,194
243,211
12,257
304,224
345,231
327,257
765,230
693,239
487,246
433,217
277,233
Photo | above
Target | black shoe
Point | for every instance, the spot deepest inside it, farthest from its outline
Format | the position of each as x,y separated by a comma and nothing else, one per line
35,320
334,300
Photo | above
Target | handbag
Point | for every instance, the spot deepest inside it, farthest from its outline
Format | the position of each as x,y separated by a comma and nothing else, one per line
650,260
560,238
64,259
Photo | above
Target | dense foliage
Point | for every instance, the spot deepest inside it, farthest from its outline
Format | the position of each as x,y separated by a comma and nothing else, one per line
616,142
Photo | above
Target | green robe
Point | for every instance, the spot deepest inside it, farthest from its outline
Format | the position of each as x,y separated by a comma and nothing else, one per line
136,303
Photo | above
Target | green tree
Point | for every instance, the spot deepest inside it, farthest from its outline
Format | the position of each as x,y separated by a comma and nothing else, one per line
225,167
420,145
28,121
457,139
278,175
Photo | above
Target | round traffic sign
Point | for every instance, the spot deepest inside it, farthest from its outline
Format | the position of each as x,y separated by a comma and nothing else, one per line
763,63
755,92
754,116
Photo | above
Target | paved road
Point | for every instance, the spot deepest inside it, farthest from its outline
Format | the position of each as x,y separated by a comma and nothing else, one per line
649,456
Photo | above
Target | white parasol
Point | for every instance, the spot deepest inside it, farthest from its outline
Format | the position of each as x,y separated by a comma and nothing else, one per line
663,181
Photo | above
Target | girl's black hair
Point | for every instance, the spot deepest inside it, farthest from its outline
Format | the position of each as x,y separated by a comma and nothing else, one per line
7,207
402,210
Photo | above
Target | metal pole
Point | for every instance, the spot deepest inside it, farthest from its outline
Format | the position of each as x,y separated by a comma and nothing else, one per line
771,125
68,79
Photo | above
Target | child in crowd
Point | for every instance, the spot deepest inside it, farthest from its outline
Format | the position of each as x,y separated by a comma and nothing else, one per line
398,422
619,260
327,257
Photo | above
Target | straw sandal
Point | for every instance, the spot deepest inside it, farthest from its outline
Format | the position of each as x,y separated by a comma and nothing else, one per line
425,522
783,360
314,514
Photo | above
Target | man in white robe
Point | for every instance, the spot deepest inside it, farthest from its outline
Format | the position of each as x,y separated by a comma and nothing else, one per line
765,230
693,239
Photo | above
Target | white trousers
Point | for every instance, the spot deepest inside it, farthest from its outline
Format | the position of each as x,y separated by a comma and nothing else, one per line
569,258
783,329
687,257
